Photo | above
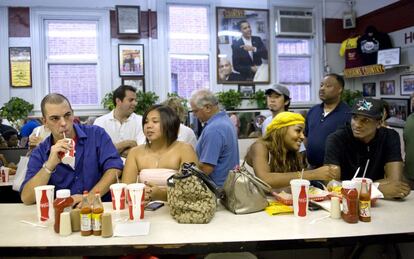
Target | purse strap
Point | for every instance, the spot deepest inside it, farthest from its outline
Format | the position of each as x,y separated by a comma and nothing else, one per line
256,180
191,167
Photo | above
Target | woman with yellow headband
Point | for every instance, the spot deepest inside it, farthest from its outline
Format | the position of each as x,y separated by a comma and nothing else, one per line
275,157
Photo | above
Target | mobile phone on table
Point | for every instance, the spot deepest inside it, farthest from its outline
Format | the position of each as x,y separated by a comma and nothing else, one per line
312,206
155,205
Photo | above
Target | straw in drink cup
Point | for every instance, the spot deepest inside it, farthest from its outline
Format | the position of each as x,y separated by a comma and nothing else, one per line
300,196
136,201
118,195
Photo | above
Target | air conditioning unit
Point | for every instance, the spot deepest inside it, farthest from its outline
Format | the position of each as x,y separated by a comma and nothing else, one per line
294,23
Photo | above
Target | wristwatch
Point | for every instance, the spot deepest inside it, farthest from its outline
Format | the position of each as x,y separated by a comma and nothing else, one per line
47,169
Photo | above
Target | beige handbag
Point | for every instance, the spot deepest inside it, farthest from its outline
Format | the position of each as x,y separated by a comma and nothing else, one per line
192,195
245,193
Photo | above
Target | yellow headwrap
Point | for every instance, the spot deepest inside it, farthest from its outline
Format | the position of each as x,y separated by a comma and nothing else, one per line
284,119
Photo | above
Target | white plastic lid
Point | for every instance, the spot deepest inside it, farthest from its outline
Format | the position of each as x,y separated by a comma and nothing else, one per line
64,193
348,185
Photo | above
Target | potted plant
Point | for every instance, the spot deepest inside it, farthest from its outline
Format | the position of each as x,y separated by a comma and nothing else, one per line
230,99
15,111
260,98
107,101
349,96
144,101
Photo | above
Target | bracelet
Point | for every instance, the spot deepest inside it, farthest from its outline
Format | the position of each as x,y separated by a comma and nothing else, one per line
47,169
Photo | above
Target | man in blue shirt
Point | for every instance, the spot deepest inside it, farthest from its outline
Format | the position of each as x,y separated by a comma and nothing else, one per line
323,119
217,147
97,162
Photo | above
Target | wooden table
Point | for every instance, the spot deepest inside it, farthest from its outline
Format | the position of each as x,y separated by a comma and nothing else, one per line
391,222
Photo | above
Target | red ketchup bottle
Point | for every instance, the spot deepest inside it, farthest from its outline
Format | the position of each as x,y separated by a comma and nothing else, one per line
349,202
62,203
302,202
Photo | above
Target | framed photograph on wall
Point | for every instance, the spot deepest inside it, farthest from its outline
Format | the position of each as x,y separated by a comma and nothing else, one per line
20,67
247,91
138,82
387,87
399,111
131,60
242,45
369,89
128,20
407,84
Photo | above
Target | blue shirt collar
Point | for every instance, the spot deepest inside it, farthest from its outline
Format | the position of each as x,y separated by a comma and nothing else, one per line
215,116
81,135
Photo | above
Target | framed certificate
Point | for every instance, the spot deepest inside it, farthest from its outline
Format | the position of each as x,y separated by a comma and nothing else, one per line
128,19
389,57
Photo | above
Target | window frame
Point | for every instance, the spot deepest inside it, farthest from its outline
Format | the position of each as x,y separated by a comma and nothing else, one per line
38,17
317,48
4,56
209,53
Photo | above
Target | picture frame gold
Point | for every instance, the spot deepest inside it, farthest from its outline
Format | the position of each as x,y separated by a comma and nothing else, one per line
20,67
242,57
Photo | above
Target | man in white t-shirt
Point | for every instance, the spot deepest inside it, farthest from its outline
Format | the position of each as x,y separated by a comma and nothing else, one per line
278,100
122,124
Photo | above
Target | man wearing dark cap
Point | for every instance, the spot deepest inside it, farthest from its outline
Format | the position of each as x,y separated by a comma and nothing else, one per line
323,119
278,100
365,144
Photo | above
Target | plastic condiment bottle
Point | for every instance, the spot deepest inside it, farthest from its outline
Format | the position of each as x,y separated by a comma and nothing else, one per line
365,202
62,203
349,202
97,210
85,216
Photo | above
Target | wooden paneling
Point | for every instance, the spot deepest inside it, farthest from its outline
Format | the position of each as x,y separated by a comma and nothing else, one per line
19,22
390,18
148,22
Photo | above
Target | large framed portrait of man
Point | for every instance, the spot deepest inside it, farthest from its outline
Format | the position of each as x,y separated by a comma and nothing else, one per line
242,46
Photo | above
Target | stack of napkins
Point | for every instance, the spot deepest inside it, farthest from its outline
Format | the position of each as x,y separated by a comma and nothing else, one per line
129,229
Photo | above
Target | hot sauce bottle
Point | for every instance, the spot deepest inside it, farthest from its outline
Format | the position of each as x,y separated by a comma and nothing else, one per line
365,202
97,210
86,216
349,202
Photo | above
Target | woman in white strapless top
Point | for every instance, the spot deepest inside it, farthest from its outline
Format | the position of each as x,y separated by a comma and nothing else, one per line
162,155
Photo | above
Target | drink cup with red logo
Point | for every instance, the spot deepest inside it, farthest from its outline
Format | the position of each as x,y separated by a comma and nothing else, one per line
4,174
118,195
69,156
44,202
135,196
300,196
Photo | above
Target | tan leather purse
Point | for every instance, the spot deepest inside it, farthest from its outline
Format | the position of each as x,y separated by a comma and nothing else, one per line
245,193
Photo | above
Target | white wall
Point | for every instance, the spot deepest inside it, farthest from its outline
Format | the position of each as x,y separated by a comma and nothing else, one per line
156,74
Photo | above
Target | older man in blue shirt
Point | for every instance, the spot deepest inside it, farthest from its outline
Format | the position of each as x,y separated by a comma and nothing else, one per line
217,147
97,162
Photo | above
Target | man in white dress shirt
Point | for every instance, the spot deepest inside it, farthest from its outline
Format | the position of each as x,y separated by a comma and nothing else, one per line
122,124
